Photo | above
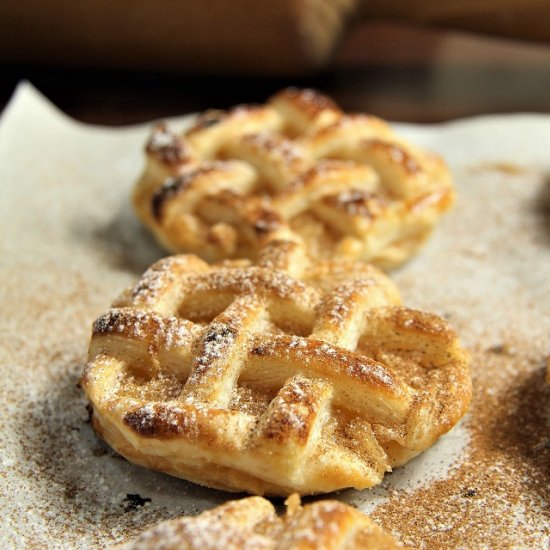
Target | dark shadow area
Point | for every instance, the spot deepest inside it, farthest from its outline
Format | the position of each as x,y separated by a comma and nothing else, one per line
119,97
127,244
398,70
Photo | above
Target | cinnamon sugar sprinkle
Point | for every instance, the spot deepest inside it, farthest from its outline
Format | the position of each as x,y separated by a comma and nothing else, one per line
487,268
503,484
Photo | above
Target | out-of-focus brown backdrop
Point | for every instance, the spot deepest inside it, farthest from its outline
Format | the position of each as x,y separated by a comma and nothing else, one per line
124,62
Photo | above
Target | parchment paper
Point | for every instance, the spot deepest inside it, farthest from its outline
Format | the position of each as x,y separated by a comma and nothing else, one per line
69,243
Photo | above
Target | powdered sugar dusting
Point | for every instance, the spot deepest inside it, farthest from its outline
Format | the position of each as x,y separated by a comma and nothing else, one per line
204,533
167,146
155,280
256,281
346,301
355,202
217,342
167,332
288,151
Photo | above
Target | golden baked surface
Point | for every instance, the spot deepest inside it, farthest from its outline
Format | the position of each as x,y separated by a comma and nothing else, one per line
252,524
287,375
295,168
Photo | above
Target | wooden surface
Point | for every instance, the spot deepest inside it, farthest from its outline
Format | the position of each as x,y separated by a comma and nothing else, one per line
397,71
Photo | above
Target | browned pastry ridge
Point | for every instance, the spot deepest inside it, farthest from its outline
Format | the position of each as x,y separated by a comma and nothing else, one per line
290,375
295,168
252,524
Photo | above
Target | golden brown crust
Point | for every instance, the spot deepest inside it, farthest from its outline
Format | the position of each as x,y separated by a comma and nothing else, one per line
289,375
252,524
295,168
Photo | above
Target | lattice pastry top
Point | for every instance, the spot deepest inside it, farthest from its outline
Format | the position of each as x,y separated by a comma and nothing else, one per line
295,168
288,375
252,524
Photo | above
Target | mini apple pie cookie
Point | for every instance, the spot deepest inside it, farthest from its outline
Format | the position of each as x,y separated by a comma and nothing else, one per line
252,524
289,375
295,168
